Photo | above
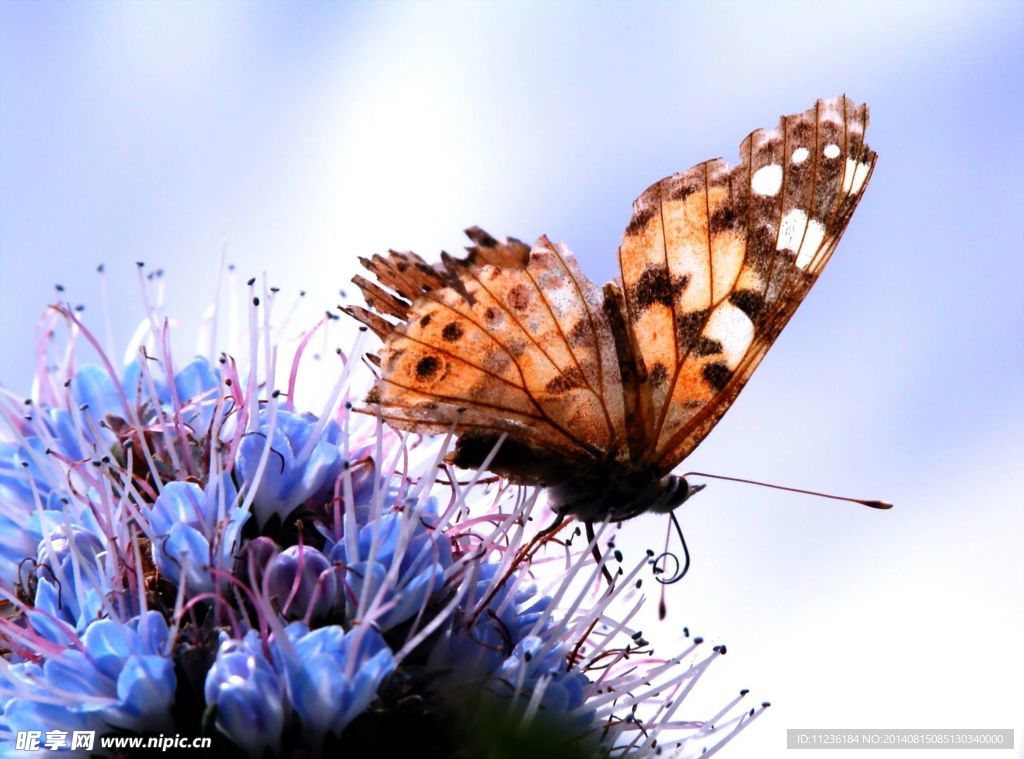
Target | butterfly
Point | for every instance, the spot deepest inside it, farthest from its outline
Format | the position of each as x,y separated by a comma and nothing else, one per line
598,394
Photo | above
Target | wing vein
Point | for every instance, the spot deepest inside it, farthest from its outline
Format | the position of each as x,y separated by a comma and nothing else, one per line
599,395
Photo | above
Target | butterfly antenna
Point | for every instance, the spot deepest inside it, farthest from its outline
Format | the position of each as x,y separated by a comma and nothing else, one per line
862,501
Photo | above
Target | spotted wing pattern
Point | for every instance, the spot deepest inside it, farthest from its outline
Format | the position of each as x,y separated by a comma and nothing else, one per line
509,339
716,259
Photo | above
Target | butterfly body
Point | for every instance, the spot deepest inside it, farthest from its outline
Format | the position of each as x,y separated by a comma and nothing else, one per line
589,489
598,394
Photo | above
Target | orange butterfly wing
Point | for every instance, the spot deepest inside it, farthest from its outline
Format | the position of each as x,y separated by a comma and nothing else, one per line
716,259
507,340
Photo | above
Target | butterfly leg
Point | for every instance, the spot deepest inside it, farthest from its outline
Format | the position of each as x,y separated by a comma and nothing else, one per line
597,555
526,552
523,556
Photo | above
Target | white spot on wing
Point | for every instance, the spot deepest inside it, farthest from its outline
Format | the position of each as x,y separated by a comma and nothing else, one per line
733,329
800,234
800,155
767,180
832,151
854,176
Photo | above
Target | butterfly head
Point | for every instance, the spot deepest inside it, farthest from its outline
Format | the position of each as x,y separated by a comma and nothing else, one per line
674,492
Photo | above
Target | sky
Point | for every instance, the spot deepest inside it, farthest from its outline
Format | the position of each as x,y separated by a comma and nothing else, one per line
292,138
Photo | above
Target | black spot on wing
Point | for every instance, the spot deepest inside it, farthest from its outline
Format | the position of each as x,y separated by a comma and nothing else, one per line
707,347
452,331
581,333
749,302
641,215
717,375
427,367
568,380
682,186
688,325
724,218
655,285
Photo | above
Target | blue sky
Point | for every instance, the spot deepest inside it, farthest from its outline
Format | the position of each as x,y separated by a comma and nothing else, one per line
298,136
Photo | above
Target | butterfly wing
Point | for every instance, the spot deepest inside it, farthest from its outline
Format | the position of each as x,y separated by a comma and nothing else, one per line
509,340
716,259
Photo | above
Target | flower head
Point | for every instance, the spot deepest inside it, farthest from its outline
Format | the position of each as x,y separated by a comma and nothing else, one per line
188,552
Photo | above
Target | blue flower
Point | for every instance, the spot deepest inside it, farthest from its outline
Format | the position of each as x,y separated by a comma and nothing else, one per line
96,393
71,584
247,693
24,480
477,652
296,470
409,560
59,432
194,385
303,584
101,395
121,677
20,541
196,531
325,678
536,662
332,675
